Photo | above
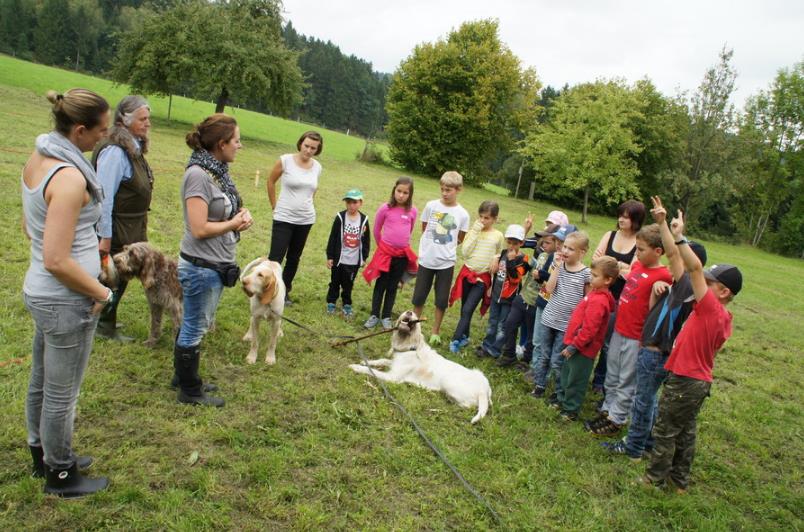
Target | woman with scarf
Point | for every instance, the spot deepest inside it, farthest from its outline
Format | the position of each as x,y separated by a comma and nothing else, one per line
213,219
61,203
127,183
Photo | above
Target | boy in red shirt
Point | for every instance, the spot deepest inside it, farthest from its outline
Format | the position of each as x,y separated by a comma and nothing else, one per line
632,310
584,337
690,368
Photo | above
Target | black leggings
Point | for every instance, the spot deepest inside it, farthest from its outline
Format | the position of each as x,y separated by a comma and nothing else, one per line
288,240
385,287
471,296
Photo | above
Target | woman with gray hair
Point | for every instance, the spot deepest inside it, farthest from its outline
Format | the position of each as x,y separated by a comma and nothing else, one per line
127,183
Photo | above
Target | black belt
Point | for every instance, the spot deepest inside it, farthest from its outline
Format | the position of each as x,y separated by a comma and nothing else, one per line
201,263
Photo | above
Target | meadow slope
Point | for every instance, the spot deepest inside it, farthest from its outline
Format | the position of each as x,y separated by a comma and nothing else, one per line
307,444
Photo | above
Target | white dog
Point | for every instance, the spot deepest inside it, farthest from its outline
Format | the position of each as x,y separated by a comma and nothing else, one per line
415,362
262,282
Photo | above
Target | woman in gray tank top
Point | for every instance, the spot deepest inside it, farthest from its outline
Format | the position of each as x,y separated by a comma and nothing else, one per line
61,201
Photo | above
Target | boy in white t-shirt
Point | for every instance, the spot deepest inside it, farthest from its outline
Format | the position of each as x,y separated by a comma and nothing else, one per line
444,224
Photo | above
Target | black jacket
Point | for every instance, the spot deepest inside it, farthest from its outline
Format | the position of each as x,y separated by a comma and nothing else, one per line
336,237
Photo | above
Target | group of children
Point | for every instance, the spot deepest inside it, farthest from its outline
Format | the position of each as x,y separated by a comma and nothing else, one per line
668,323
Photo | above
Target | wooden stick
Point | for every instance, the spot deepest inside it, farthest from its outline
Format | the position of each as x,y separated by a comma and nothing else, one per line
341,343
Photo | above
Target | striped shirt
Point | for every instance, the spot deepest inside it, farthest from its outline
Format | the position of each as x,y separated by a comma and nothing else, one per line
480,247
566,296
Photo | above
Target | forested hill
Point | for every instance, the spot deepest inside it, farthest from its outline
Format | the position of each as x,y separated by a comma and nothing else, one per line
342,92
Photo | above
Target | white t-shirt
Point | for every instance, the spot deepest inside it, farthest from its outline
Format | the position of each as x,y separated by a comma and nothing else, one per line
295,203
439,242
350,243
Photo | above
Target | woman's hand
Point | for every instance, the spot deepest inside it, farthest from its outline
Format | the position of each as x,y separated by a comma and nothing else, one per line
99,304
243,220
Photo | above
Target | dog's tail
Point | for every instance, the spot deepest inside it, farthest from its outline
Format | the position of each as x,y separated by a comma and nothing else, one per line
483,402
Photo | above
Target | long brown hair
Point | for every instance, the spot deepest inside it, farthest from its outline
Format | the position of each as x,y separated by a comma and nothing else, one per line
404,180
214,129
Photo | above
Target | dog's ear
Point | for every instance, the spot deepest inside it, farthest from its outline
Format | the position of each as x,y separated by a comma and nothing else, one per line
147,265
268,288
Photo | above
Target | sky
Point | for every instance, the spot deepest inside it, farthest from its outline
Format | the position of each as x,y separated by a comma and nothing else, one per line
573,41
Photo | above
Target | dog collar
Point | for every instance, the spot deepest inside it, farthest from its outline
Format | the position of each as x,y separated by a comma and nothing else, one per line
410,348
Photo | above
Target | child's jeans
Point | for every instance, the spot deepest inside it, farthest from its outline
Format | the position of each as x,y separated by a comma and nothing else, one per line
520,316
536,357
495,332
471,298
650,374
620,377
552,342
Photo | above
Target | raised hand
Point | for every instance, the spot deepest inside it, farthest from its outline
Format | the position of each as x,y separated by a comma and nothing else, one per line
677,225
658,211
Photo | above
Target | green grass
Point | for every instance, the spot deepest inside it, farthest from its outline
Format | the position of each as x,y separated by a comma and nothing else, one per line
307,444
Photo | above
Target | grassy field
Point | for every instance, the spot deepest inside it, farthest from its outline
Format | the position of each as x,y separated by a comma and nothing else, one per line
307,444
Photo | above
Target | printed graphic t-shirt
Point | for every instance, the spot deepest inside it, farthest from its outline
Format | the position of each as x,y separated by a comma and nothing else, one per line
439,241
635,298
350,245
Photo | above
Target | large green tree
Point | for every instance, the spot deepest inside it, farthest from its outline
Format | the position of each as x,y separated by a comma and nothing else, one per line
587,145
230,51
456,103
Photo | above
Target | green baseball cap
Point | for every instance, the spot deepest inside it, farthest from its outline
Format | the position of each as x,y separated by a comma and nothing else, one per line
353,194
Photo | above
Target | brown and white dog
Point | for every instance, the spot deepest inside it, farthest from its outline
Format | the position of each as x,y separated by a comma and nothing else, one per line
415,362
262,282
159,276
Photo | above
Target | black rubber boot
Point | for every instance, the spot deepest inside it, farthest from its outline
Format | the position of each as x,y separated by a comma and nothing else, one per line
38,455
70,484
207,386
191,388
107,322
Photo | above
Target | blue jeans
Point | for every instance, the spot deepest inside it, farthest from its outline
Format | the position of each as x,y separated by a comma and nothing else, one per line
552,342
495,332
650,374
201,290
63,335
536,357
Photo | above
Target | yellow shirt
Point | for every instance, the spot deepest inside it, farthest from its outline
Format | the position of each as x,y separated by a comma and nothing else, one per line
479,248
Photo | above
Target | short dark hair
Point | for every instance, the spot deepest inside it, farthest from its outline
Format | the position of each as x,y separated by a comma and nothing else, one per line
635,211
489,207
651,235
312,135
607,266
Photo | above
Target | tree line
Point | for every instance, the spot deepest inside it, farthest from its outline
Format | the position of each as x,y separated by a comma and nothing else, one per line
233,52
466,102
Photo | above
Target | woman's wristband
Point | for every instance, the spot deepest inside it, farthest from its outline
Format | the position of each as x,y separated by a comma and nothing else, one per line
107,299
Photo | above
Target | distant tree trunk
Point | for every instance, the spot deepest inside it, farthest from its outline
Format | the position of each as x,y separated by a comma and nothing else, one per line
518,180
585,204
170,105
223,99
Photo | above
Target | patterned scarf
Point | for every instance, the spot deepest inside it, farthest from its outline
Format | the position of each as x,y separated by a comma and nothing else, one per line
220,175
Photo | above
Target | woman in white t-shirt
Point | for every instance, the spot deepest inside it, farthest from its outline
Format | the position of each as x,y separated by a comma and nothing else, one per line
294,212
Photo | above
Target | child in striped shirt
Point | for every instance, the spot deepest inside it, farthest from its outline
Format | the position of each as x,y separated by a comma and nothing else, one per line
481,247
568,284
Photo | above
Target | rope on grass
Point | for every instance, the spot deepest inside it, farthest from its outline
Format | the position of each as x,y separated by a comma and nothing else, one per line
467,486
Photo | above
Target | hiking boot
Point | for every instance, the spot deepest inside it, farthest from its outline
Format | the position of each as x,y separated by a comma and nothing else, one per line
553,401
506,360
330,308
537,392
371,322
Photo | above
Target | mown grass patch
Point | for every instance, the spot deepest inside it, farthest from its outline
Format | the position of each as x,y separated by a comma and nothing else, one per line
307,444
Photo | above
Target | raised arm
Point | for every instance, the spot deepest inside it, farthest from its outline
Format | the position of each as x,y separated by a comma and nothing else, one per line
659,214
691,263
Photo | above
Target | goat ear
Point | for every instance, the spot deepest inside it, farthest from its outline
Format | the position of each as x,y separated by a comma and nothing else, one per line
268,290
147,268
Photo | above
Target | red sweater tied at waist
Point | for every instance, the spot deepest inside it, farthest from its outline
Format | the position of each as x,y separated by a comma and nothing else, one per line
473,277
381,261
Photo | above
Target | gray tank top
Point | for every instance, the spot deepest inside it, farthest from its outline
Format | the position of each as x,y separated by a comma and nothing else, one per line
38,281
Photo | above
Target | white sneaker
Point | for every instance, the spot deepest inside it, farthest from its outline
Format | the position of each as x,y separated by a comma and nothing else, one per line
371,322
387,323
520,351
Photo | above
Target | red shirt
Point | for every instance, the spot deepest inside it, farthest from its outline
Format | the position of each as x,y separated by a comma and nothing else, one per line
589,322
703,334
635,298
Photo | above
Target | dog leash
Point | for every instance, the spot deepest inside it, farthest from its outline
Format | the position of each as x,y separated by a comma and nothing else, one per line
388,395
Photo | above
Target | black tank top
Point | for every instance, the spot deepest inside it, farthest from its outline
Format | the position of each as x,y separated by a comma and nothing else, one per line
617,287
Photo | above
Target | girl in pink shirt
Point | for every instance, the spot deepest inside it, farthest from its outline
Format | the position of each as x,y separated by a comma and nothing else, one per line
393,225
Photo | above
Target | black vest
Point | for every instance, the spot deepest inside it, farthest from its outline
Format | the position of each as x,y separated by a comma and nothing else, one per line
132,201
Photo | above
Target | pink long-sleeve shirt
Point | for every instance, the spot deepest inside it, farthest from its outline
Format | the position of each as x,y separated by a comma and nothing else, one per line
394,225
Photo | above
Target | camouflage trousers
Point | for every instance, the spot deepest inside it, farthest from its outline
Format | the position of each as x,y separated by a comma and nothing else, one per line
675,430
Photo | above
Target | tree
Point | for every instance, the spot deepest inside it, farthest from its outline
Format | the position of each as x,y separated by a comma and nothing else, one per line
771,134
231,51
455,104
53,38
587,144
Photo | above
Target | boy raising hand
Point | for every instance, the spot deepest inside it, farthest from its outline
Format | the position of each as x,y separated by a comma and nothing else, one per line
690,364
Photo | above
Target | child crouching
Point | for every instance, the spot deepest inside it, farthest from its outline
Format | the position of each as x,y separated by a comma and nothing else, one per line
584,337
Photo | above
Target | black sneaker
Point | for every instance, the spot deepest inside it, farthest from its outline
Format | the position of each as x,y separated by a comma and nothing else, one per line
569,416
553,402
288,301
506,360
538,392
